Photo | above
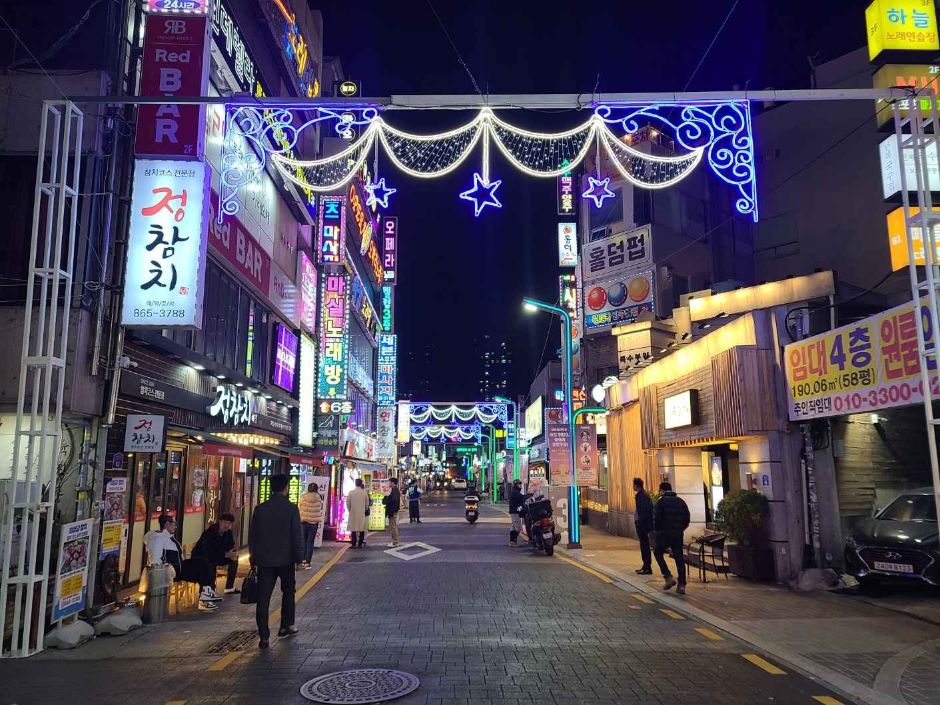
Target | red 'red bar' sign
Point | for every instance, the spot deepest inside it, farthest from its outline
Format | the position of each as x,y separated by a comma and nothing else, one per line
175,63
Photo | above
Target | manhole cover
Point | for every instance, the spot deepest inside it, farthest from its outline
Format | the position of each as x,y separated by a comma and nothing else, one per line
235,641
359,687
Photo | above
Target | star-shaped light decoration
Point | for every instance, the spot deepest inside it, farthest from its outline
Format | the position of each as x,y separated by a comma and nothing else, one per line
598,190
379,193
482,194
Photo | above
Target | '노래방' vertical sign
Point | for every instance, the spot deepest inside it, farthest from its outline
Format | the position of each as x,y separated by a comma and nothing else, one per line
166,249
334,329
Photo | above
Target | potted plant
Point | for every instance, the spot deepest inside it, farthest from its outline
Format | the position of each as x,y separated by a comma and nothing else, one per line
742,515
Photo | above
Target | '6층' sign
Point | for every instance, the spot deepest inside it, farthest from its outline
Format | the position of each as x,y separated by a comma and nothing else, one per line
166,249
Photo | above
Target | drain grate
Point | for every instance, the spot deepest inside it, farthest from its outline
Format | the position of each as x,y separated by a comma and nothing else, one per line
359,687
235,641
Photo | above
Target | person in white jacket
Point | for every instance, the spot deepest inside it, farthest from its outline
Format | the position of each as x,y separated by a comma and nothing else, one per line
311,514
162,547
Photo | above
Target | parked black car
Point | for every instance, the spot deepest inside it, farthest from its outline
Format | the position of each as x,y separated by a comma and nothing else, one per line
898,543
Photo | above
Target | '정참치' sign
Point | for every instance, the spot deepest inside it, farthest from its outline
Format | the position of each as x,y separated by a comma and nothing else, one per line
865,366
144,433
166,249
334,331
388,343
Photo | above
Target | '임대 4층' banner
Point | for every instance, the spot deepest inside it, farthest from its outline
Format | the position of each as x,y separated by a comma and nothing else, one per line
865,366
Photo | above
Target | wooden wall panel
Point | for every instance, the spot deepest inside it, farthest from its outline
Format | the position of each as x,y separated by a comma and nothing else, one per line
628,459
744,392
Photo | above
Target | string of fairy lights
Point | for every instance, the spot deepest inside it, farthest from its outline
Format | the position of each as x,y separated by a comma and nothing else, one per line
538,154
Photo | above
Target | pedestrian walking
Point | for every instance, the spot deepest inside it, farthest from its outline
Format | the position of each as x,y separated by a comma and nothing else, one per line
217,546
357,509
414,503
311,514
516,500
392,502
275,543
671,519
643,520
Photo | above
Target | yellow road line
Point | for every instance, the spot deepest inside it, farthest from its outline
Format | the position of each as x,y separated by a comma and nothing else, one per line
224,661
764,664
586,569
826,700
642,598
671,613
308,586
635,607
709,634
176,702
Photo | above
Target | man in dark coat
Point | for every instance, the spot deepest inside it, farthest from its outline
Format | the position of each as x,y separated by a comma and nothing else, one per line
671,520
516,500
275,541
392,502
217,545
643,520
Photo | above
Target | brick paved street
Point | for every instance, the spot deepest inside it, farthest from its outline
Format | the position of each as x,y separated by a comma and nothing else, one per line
477,622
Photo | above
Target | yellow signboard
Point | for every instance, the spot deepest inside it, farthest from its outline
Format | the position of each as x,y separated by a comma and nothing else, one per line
906,25
868,365
917,76
897,241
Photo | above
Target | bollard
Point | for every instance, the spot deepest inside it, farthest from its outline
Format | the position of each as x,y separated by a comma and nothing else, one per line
156,603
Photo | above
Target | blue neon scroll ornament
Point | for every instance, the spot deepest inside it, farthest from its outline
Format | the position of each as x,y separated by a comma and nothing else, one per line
482,194
722,129
379,193
252,133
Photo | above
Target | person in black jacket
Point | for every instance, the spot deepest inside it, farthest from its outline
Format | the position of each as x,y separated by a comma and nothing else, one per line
217,545
671,520
516,500
392,502
643,520
276,544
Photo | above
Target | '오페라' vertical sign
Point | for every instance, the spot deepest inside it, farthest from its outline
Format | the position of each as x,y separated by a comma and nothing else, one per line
166,249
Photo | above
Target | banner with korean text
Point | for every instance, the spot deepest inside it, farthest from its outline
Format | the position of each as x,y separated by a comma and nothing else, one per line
865,366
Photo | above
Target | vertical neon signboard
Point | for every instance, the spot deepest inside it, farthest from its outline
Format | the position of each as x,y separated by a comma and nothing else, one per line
334,340
390,249
388,345
331,243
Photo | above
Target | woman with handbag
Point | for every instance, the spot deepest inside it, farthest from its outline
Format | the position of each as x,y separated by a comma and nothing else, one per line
357,511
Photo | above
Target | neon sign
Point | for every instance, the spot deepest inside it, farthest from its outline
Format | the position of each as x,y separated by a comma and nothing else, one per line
332,240
390,249
366,226
388,347
297,52
334,337
387,298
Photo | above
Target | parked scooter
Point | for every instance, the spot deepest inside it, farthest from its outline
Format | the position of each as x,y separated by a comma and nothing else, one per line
539,524
471,507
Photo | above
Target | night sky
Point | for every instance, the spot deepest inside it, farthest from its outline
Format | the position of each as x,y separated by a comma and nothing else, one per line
462,276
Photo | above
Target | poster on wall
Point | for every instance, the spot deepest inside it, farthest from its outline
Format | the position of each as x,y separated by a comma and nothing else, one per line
618,301
166,248
72,572
114,509
865,366
559,452
586,454
323,488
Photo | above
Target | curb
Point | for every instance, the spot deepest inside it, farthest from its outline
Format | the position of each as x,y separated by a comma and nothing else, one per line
842,684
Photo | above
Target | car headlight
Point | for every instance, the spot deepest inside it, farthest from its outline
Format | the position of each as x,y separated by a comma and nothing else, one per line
850,542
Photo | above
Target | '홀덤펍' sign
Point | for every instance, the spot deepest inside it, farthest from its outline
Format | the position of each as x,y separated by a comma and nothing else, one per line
334,331
864,366
611,255
174,63
166,249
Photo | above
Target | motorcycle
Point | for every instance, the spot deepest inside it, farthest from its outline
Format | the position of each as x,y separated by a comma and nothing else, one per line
539,524
471,507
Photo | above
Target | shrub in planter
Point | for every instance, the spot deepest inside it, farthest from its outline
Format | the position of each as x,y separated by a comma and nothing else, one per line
742,515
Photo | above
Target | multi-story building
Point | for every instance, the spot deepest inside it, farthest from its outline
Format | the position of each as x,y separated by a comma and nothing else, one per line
495,367
417,384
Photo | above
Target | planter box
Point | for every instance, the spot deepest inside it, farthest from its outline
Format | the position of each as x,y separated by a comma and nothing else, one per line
753,563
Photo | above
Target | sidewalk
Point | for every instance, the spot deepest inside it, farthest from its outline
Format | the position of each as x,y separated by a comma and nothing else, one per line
875,654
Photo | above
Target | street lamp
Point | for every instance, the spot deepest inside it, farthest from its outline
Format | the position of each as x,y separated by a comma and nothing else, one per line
574,520
515,445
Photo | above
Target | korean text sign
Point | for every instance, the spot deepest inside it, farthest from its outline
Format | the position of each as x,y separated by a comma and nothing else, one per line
308,293
331,245
608,256
365,224
166,249
334,331
144,433
174,63
901,25
390,249
388,344
567,244
897,241
868,365
385,433
565,191
72,574
559,452
618,301
586,454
